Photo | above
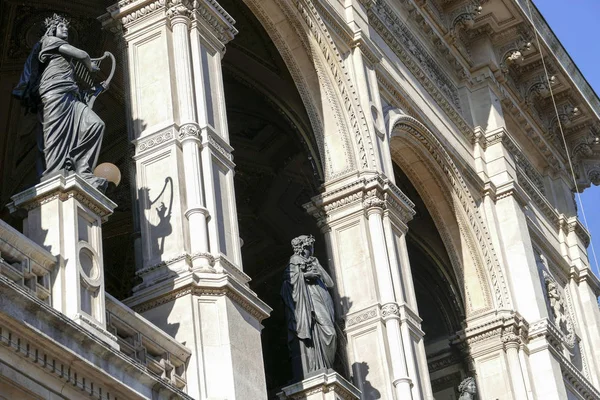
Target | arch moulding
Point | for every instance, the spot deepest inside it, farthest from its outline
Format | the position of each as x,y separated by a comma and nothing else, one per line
454,211
322,80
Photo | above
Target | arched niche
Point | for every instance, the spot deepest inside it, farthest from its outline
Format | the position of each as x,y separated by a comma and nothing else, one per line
456,274
278,154
430,168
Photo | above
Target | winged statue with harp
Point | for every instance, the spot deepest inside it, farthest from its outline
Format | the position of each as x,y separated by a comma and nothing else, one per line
57,83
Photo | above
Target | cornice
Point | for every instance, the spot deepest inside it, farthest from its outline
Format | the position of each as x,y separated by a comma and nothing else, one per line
360,195
210,284
63,187
412,53
206,13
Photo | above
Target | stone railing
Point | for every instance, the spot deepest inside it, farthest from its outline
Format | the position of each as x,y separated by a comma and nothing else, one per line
141,340
25,262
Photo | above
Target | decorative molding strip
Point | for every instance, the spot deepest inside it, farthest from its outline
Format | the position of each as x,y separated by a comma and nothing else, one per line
412,53
222,286
342,78
147,143
362,316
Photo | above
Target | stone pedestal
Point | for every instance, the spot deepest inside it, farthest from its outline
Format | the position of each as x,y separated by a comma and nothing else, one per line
327,385
64,215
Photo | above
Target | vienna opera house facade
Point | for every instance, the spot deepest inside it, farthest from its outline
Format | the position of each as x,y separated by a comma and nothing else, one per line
432,148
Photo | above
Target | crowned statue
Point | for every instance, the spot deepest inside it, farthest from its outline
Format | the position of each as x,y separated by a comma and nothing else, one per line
309,310
71,133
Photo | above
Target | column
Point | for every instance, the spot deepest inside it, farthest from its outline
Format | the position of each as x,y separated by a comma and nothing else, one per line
193,286
512,343
189,135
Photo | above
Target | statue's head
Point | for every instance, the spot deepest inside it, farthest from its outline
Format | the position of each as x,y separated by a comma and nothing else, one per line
467,386
58,26
303,242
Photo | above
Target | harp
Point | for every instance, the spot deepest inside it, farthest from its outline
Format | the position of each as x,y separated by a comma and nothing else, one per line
88,83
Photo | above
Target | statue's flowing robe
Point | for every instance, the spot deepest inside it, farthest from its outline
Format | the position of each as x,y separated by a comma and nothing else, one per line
72,132
310,315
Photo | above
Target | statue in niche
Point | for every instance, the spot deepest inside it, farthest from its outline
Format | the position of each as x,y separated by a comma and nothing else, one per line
559,311
556,302
467,389
309,310
71,133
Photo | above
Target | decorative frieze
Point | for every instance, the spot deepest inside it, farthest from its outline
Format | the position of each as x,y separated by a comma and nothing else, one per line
411,51
147,143
362,195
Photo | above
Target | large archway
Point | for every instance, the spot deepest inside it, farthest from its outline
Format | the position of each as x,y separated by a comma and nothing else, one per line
456,274
278,169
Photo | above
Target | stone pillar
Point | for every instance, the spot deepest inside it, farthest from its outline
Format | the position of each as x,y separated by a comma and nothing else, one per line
512,344
364,220
327,385
193,285
64,215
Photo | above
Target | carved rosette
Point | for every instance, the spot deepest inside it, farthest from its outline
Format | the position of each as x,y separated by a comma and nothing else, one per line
189,131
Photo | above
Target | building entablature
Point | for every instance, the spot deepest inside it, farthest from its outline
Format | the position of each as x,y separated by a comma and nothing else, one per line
206,15
371,191
545,97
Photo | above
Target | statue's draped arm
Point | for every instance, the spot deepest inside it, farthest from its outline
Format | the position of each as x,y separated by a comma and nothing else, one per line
296,298
78,54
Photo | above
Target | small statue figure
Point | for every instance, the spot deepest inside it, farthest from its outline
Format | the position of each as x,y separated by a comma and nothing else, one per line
72,132
467,389
309,310
556,302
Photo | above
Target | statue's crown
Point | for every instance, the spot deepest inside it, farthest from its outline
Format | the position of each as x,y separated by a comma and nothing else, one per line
54,20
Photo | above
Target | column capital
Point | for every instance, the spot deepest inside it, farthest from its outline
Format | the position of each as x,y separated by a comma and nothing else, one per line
190,131
179,11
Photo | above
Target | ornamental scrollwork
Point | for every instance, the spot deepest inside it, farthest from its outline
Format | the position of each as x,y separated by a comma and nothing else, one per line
179,8
390,310
189,131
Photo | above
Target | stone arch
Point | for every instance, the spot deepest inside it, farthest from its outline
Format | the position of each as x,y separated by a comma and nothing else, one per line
324,84
436,177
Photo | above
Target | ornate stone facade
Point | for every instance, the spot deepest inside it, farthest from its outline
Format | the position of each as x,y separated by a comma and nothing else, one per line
416,140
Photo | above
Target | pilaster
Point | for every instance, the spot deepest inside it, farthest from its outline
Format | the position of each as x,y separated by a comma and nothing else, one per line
193,285
364,220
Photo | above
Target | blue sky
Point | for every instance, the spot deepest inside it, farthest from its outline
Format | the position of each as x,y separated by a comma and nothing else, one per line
576,23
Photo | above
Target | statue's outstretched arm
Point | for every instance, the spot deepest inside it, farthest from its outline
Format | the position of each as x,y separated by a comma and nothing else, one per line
74,52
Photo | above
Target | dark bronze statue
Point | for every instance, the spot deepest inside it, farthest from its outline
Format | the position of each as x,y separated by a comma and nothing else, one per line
71,132
309,310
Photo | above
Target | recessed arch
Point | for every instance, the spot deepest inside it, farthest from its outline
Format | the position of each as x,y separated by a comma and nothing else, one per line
430,168
324,84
